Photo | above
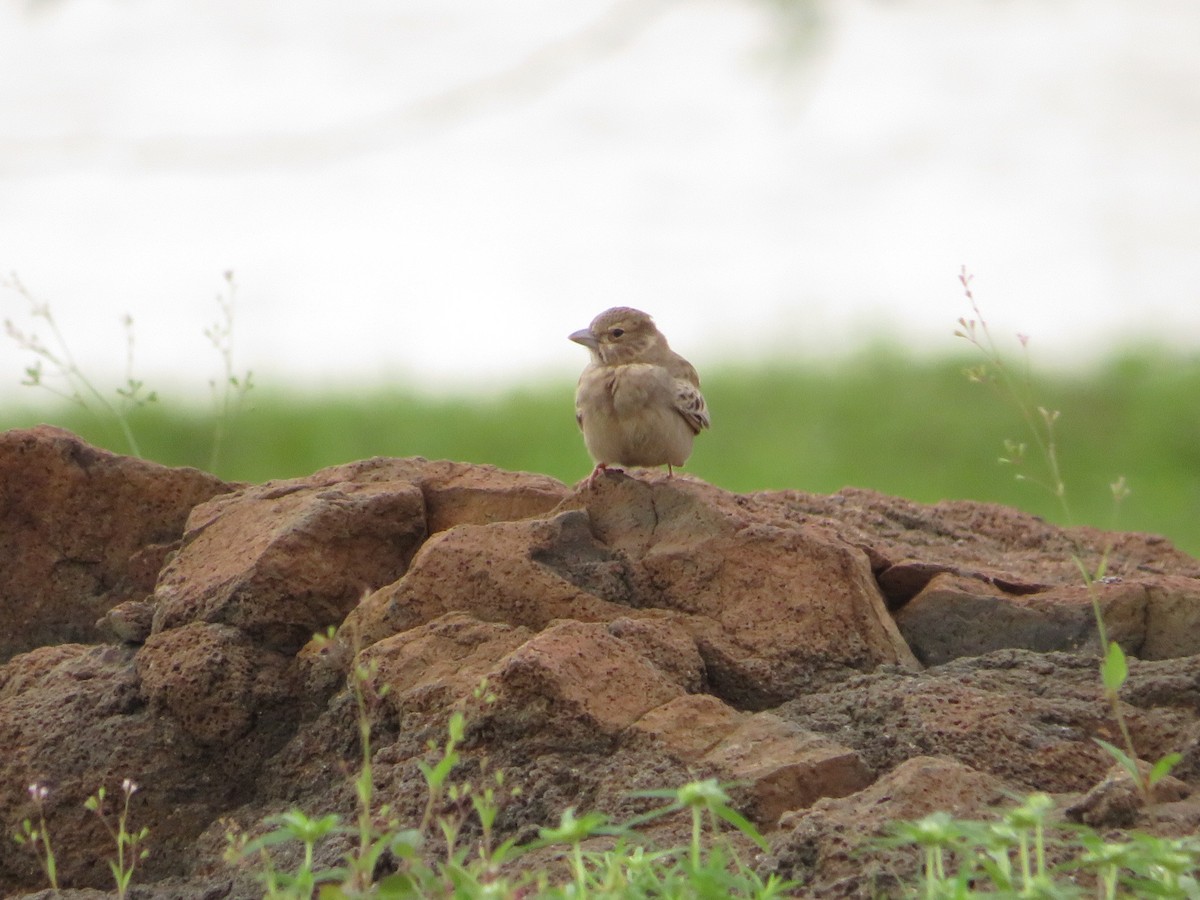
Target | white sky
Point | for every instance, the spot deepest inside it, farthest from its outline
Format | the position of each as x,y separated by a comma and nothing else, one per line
439,191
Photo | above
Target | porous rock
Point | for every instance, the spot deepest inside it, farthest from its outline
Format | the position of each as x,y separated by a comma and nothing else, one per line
1026,717
832,849
286,559
72,720
779,765
636,635
1117,801
496,573
773,609
776,607
955,616
81,531
433,666
576,685
283,561
211,679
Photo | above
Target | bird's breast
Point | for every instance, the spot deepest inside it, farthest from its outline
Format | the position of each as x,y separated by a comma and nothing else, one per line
635,387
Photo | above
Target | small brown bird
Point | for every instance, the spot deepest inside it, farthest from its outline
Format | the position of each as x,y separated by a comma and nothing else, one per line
638,401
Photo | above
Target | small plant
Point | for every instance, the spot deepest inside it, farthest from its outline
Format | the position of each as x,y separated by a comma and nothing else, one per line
379,832
700,797
55,370
1041,425
630,869
129,843
1009,858
288,827
571,832
368,694
229,391
437,775
36,836
129,850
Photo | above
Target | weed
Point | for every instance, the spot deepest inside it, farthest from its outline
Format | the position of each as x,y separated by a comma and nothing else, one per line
36,836
1009,858
1041,425
129,843
229,391
291,826
55,370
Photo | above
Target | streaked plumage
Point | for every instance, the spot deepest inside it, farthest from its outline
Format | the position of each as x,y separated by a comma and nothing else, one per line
638,401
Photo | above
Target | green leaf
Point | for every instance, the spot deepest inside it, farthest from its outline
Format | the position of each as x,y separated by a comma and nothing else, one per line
738,821
1115,669
1163,767
405,844
397,886
457,727
572,830
506,851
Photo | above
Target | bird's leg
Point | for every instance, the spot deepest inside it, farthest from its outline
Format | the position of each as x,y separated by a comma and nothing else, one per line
670,471
591,479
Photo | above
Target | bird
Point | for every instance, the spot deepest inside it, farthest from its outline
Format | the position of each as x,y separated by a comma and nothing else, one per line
638,402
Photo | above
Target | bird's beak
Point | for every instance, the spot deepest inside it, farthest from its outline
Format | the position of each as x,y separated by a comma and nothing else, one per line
585,337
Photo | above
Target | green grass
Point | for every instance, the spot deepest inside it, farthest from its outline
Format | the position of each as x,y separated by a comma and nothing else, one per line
881,420
1012,858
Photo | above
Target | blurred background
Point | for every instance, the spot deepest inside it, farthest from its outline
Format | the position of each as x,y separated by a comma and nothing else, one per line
392,213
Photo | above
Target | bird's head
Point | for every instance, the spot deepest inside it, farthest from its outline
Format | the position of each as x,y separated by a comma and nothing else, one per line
621,335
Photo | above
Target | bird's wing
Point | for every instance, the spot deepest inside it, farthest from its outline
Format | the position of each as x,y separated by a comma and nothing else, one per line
689,403
680,368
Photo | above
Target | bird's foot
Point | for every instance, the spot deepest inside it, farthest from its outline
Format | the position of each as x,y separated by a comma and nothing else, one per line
596,472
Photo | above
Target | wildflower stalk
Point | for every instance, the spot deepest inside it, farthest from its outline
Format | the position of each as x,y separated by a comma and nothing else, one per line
1041,425
230,390
37,836
58,358
128,842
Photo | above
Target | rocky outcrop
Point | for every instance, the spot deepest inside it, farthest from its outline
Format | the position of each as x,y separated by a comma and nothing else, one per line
82,530
845,659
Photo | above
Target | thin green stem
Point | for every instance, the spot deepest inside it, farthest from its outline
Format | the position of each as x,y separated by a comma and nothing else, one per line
1041,424
580,871
697,832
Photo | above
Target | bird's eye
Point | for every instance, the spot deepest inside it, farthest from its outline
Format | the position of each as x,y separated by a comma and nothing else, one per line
617,332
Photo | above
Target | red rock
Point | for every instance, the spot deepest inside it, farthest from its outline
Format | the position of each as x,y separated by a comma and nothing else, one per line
285,560
1151,617
667,644
575,685
833,847
643,634
1172,627
455,493
73,720
1116,802
81,530
514,572
776,607
779,765
429,668
211,679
